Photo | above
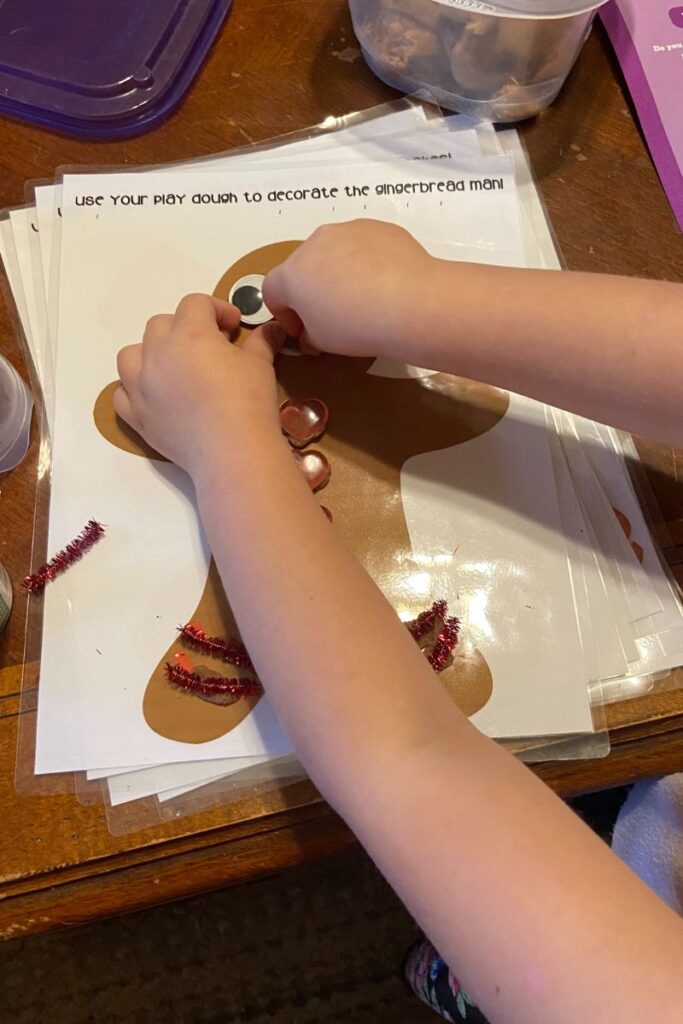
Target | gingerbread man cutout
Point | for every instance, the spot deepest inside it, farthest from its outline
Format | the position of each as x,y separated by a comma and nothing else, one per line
376,424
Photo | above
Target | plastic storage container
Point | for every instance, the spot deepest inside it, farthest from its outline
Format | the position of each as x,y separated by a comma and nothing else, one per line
102,68
16,405
502,61
5,597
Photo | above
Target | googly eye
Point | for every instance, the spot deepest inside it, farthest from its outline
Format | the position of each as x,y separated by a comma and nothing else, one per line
246,294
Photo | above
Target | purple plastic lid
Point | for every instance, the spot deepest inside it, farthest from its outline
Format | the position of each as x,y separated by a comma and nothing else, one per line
102,68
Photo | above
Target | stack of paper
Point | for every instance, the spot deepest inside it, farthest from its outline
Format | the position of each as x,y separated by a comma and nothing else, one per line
522,517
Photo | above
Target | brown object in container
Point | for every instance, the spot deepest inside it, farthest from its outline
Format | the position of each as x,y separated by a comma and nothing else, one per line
404,45
558,47
492,53
424,12
476,67
472,61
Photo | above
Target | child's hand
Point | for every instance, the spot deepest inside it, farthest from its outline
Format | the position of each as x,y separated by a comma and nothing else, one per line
352,288
186,388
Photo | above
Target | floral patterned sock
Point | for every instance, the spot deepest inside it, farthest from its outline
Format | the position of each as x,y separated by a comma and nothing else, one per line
433,983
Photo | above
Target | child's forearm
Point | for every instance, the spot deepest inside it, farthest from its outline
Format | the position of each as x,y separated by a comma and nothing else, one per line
540,919
340,663
605,347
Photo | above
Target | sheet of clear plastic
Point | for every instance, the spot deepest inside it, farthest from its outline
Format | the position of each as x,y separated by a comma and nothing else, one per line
267,781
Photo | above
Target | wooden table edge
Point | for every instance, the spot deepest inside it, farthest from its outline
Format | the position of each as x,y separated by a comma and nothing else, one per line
125,889
245,851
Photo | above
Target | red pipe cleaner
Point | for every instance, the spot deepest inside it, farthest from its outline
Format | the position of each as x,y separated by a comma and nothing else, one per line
65,558
446,638
426,620
229,651
444,644
234,653
211,686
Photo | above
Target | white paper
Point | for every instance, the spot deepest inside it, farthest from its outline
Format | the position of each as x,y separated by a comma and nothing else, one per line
98,312
135,785
494,500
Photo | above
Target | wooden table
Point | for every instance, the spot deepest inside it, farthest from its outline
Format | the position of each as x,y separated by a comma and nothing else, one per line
277,67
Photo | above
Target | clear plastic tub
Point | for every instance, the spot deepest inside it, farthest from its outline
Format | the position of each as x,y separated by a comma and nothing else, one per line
502,61
5,597
16,405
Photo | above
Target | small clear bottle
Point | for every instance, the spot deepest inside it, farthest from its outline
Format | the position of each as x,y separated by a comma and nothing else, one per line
16,404
5,597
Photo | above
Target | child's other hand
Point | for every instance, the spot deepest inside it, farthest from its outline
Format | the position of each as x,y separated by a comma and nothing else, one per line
186,388
351,289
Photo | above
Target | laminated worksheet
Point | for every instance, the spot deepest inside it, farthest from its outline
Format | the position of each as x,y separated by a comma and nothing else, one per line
110,623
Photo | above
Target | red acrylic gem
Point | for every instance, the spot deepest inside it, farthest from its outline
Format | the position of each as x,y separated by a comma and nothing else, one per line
303,422
315,468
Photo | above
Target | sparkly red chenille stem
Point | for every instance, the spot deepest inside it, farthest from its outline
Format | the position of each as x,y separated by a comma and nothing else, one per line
446,638
235,653
65,558
426,620
444,644
229,651
211,686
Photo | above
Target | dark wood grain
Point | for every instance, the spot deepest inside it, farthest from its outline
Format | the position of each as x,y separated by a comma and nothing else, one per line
277,67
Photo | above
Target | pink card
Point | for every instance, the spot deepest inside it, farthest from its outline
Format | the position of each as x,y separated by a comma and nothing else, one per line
648,38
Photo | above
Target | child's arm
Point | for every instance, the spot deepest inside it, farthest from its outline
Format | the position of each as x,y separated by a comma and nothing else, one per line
606,347
532,911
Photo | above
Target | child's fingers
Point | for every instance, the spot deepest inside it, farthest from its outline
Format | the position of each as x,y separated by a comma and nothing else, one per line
306,345
123,407
275,298
129,364
199,312
265,341
158,326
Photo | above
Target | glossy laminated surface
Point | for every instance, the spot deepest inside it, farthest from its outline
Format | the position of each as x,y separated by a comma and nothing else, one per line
102,68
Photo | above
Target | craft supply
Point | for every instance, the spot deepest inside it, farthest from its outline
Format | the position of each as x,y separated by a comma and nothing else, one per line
60,562
246,294
648,41
436,633
229,651
315,468
5,597
503,60
16,404
303,422
211,686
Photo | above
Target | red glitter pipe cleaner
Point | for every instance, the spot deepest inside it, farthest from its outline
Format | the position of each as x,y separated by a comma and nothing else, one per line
444,645
229,651
234,653
426,620
211,686
446,638
65,558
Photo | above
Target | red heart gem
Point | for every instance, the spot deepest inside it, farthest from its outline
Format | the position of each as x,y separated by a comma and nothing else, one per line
303,422
315,468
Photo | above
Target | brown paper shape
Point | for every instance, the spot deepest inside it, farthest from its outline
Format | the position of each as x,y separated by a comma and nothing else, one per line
376,424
